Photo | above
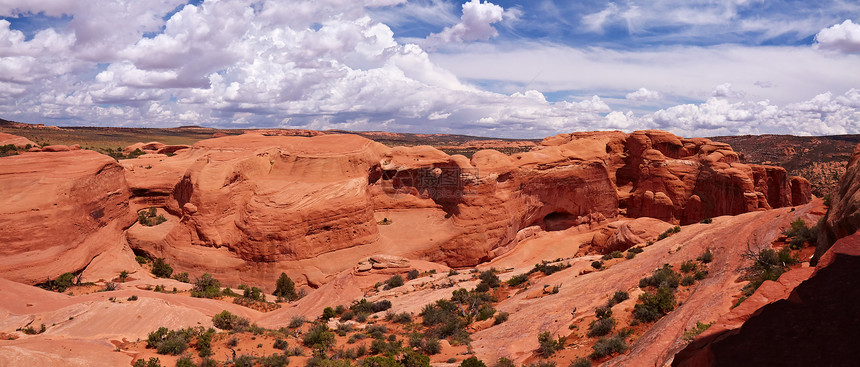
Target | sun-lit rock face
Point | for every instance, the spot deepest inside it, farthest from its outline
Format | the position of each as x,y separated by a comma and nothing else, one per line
843,215
248,207
58,210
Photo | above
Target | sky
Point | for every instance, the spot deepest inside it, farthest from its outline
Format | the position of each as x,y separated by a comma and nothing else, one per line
489,68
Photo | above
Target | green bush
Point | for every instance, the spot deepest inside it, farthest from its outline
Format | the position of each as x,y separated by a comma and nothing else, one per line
706,257
206,287
149,217
603,312
274,360
380,361
597,264
328,313
688,266
285,288
654,305
153,362
204,343
548,346
490,278
185,361
243,361
296,322
412,359
580,362
472,362
688,280
394,282
504,362
618,297
161,269
501,317
412,274
518,279
549,269
281,344
608,346
228,321
665,277
319,336
601,327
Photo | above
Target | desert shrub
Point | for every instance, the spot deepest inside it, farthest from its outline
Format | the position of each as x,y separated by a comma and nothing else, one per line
232,342
518,279
402,318
665,277
140,259
654,305
706,257
328,313
204,343
394,282
489,278
501,317
376,331
296,322
688,266
635,250
549,269
707,220
630,255
618,297
580,362
149,217
603,312
699,275
109,287
616,254
380,306
152,362
380,346
169,341
597,264
133,297
161,269
431,346
185,361
174,344
281,344
182,277
608,346
285,288
228,321
688,280
412,359
601,327
485,312
318,336
206,287
346,316
548,346
542,363
700,327
380,361
472,362
61,284
504,362
274,360
243,361
412,274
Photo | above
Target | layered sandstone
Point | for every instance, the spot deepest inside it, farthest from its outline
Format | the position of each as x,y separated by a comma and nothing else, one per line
58,211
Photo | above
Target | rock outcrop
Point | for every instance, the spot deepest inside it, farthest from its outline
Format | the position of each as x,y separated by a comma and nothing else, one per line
843,215
18,141
58,211
248,207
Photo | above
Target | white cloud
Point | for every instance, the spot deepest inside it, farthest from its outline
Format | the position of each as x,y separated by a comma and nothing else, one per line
476,24
595,22
843,37
643,94
725,91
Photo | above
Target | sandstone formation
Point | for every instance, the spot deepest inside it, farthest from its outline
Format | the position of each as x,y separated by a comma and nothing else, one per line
18,141
58,211
814,323
248,207
843,216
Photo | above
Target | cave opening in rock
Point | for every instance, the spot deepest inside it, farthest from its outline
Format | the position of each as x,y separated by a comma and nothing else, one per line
558,221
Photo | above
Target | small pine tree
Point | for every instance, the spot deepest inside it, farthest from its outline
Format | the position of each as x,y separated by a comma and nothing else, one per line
285,288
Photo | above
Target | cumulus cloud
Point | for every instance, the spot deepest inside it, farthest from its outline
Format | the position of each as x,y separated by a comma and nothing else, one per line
843,37
476,24
725,91
643,94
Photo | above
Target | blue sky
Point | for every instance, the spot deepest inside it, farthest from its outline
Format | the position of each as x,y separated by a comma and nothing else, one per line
490,68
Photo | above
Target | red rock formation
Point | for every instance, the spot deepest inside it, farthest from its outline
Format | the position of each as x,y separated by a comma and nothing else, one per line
18,141
58,211
843,216
801,191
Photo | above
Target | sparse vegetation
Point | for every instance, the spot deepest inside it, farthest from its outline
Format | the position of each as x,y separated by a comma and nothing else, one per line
319,337
608,346
285,288
161,269
548,346
394,282
548,268
228,321
601,327
653,306
149,217
518,280
801,234
767,264
700,327
206,287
